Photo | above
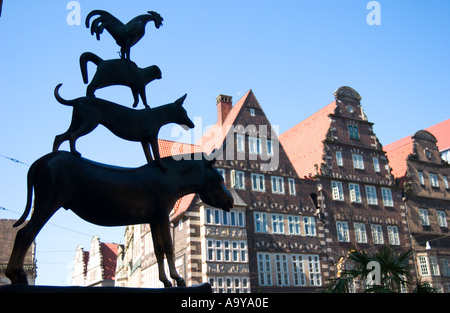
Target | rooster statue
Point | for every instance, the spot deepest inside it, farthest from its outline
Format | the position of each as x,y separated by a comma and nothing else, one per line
126,35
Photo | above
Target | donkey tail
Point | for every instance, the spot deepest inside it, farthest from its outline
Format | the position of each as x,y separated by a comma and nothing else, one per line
30,179
60,99
86,57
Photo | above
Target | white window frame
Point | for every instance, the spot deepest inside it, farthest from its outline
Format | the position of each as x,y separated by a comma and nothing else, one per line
298,270
421,178
358,161
371,195
339,160
291,183
277,223
423,265
342,232
445,178
261,222
377,234
294,225
442,218
309,225
424,217
264,269
254,145
387,197
258,182
237,179
240,143
337,191
434,180
269,147
355,193
277,184
434,265
393,235
282,269
376,165
315,278
360,232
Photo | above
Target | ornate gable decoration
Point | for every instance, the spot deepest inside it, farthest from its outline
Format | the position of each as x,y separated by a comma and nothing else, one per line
347,93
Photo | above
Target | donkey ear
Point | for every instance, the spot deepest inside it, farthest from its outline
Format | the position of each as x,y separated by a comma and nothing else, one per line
211,159
181,100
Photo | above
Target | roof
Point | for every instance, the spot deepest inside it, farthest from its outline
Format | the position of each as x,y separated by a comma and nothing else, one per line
303,143
168,148
398,151
109,256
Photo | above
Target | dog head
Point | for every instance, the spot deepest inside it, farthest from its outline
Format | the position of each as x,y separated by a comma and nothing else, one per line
180,115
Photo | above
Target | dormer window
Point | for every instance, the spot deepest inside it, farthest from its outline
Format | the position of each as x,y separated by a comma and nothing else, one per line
252,112
353,131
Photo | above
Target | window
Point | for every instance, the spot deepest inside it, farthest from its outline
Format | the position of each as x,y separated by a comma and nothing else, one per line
229,284
394,238
298,270
277,185
434,180
254,145
309,223
339,160
360,233
222,172
208,216
376,165
261,222
258,182
423,216
358,161
291,182
342,231
237,179
377,234
353,131
294,225
240,143
277,224
264,269
355,194
445,182
252,112
226,250
387,197
282,272
421,179
445,267
338,191
423,265
314,270
442,219
210,250
434,265
371,195
269,147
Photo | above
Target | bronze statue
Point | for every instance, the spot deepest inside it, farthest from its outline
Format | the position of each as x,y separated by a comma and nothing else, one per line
126,35
134,125
113,196
118,72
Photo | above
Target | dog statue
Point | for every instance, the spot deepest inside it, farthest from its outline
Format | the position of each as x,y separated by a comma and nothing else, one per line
118,72
134,125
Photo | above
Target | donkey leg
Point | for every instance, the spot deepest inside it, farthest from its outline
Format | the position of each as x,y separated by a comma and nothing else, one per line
169,251
24,238
159,252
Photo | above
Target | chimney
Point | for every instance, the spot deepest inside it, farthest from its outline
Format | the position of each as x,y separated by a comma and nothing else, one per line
223,107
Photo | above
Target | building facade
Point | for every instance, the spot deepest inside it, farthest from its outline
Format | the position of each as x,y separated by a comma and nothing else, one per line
7,238
356,191
96,267
424,174
270,241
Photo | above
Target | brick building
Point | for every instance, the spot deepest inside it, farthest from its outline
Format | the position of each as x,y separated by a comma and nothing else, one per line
7,238
357,192
424,177
270,241
97,266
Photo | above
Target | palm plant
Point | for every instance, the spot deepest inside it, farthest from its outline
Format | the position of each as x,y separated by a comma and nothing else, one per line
383,271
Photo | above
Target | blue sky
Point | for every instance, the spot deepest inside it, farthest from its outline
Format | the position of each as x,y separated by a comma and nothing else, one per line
292,54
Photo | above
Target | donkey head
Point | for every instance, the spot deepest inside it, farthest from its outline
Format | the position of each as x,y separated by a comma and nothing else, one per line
180,116
214,192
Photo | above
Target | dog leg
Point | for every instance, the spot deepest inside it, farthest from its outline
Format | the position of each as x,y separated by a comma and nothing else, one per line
147,152
155,148
136,98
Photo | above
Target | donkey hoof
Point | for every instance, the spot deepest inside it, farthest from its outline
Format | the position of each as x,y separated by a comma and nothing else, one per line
167,284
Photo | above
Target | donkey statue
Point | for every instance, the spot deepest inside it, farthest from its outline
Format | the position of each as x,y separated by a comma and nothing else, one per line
114,196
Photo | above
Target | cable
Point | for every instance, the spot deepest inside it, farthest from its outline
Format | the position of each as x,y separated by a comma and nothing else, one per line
14,160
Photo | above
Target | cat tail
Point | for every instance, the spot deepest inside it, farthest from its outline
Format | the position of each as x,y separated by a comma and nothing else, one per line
84,59
60,99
